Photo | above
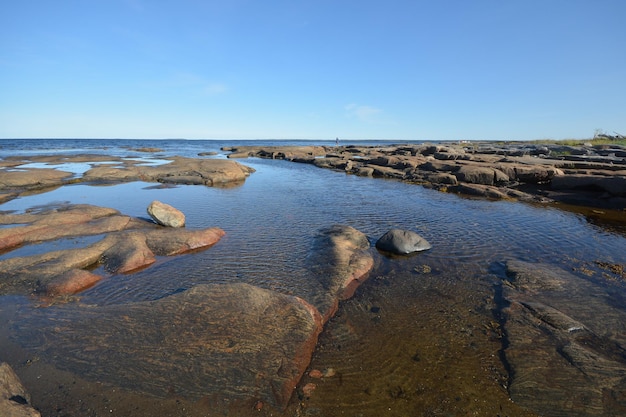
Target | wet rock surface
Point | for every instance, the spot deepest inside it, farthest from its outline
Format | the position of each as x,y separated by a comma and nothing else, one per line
238,340
14,399
565,342
233,339
128,244
340,260
581,175
247,343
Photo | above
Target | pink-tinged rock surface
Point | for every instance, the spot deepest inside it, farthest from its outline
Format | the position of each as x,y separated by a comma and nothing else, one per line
130,244
72,282
341,260
233,339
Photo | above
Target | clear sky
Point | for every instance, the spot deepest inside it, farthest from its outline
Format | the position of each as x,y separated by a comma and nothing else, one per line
312,69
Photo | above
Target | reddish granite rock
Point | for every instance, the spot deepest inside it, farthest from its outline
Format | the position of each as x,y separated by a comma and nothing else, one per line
175,242
71,282
58,222
251,343
127,253
341,260
131,244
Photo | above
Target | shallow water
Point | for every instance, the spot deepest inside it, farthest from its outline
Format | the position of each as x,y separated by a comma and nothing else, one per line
418,338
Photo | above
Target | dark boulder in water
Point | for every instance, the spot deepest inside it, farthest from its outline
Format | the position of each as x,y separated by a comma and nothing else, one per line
402,242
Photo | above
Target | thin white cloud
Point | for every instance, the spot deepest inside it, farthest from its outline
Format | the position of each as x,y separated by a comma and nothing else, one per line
215,88
199,83
367,114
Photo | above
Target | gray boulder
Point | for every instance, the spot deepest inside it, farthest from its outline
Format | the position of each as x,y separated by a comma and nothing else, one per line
402,242
166,215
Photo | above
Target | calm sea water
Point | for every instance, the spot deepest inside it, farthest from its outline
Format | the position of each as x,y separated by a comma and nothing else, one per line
437,302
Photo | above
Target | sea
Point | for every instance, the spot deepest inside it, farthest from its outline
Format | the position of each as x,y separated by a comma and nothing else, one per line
423,336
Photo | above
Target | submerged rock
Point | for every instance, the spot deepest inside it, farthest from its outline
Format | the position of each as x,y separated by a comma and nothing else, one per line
71,282
402,242
213,339
566,342
14,400
166,215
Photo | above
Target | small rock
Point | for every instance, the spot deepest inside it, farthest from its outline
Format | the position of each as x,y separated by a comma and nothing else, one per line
402,242
166,215
316,373
308,389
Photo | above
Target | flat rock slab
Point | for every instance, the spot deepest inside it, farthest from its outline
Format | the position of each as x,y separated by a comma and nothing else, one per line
224,339
566,340
278,152
181,170
128,244
211,172
33,178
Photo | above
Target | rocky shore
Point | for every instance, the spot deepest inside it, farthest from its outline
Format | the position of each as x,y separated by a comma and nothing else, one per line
239,347
254,344
18,177
586,175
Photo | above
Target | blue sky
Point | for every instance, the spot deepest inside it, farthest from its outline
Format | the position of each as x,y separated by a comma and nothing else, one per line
312,69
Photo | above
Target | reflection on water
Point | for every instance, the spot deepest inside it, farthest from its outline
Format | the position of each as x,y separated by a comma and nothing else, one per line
418,338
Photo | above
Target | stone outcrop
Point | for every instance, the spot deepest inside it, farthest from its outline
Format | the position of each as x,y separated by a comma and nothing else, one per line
211,172
130,244
14,399
402,242
277,152
565,342
581,175
199,171
60,222
33,178
166,215
340,261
